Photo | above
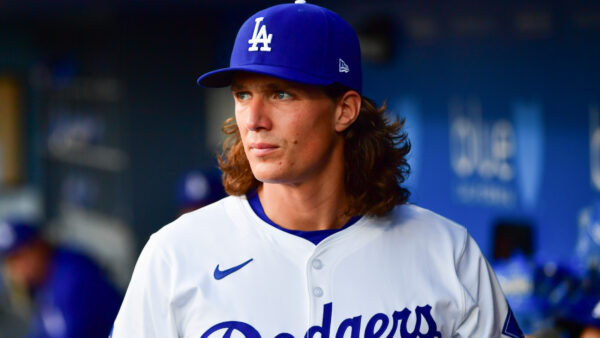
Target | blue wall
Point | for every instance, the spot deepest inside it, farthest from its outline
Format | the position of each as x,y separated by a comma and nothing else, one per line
499,130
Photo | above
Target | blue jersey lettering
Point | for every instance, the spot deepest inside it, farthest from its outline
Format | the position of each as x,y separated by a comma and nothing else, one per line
375,328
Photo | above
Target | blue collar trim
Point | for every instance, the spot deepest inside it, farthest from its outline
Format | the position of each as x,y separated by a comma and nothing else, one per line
314,237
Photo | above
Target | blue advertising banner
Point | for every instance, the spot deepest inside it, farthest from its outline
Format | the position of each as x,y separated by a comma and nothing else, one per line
499,134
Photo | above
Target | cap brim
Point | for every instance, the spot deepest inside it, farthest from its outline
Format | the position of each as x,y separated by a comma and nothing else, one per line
223,77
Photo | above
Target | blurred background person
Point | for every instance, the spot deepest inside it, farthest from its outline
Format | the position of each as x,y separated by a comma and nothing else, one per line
198,188
70,295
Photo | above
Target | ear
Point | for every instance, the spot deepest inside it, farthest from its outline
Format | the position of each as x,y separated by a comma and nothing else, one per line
347,110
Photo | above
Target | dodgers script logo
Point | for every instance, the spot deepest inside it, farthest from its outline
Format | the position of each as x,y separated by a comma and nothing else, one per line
260,36
380,325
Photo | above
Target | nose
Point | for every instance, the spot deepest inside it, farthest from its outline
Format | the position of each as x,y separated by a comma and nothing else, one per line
257,115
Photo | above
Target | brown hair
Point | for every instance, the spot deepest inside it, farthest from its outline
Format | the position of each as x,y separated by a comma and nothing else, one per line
375,152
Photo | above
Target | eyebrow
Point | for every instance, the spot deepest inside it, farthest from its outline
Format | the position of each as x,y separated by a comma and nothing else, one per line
273,86
236,87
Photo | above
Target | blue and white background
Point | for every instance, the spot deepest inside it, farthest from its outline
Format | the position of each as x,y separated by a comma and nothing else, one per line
500,132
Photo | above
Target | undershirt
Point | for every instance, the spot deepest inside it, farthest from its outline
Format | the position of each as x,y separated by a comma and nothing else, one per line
314,237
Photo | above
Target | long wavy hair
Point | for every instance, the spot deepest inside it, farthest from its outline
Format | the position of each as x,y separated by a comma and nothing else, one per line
375,150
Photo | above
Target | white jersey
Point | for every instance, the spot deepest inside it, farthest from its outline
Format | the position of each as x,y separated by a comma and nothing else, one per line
221,271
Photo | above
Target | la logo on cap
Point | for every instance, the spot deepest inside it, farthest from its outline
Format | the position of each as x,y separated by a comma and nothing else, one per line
260,36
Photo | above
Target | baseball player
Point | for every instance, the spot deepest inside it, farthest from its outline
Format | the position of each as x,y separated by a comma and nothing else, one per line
316,238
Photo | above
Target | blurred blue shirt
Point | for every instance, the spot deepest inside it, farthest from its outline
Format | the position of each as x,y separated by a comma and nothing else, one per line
75,301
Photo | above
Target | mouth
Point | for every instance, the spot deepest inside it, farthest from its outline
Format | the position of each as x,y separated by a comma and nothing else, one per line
262,149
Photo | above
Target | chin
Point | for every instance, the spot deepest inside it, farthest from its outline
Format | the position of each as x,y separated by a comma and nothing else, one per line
268,178
268,173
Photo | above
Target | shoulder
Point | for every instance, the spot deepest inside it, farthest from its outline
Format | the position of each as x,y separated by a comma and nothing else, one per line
205,221
77,279
71,265
427,231
187,247
198,232
426,222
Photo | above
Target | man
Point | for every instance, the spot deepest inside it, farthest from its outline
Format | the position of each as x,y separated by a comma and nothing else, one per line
317,237
71,296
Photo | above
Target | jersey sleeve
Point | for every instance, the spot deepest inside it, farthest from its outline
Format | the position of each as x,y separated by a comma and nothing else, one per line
146,310
486,311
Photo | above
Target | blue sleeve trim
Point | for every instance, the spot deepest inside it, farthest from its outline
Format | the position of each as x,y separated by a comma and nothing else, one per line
511,327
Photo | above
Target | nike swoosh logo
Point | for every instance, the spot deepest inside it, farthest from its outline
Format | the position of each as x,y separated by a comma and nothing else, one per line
220,274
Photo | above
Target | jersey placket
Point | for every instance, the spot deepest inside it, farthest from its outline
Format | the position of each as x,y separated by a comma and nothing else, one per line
318,273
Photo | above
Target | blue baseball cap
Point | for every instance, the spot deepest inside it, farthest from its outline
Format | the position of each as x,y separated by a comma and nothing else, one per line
298,42
14,234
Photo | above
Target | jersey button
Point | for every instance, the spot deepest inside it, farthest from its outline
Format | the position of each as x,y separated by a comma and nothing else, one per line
318,292
317,264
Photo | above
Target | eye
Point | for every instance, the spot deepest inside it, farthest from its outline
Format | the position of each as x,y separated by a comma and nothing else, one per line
242,95
282,95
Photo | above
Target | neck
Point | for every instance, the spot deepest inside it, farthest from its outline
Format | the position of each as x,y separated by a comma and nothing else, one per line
318,205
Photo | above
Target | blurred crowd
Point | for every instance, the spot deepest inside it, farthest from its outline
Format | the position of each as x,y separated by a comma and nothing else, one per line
553,297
